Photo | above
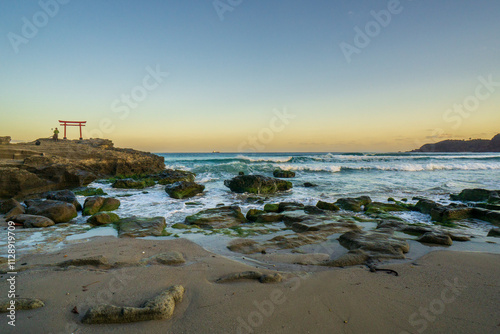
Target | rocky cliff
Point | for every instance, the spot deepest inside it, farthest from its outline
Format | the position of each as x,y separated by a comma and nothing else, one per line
474,145
29,168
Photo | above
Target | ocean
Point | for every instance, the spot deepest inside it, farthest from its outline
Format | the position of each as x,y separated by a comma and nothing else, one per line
378,175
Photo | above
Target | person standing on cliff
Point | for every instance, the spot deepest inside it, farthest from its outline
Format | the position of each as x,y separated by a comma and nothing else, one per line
56,135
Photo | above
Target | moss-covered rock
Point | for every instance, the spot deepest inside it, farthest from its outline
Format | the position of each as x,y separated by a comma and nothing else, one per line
377,207
263,217
133,184
170,176
257,184
271,207
184,189
103,218
90,192
97,204
353,204
327,206
284,174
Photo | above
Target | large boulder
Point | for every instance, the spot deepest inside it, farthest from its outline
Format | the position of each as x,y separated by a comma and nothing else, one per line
353,204
426,206
284,174
475,195
97,204
184,189
65,196
30,221
436,239
17,182
263,217
9,204
451,213
136,227
58,211
257,184
170,176
226,216
327,206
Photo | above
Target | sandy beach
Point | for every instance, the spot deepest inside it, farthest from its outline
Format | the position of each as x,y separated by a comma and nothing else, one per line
443,292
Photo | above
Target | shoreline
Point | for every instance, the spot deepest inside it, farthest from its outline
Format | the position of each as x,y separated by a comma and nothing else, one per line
352,299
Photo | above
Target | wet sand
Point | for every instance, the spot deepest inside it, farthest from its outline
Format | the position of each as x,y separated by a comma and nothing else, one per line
442,292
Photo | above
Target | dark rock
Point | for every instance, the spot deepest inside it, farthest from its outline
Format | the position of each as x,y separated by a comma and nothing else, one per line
17,210
475,195
257,184
437,239
19,182
30,221
184,189
487,215
290,206
284,174
97,204
426,206
494,232
473,145
327,206
159,308
353,204
313,210
141,227
447,215
263,217
133,184
377,207
170,176
241,173
9,204
271,208
90,192
103,218
58,211
65,196
309,185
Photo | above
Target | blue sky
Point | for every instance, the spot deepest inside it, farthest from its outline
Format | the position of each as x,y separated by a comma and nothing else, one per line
227,77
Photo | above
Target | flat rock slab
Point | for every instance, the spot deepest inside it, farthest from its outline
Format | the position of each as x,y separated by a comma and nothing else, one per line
170,258
30,221
245,246
222,217
160,307
141,227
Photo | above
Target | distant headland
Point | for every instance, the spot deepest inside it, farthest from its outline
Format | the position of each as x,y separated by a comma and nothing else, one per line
473,145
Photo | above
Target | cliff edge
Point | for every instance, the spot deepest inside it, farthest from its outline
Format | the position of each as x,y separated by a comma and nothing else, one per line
29,168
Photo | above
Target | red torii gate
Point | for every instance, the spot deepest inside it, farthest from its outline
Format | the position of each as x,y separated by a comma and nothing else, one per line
73,123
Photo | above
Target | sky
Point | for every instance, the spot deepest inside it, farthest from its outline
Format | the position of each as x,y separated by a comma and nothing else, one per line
241,75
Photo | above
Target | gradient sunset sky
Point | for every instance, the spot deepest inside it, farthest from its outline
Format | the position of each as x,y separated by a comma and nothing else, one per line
232,65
